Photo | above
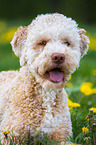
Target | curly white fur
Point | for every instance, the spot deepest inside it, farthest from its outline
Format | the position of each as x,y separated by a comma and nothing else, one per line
29,99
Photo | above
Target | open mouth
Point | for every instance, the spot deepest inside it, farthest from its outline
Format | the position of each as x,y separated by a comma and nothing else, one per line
54,75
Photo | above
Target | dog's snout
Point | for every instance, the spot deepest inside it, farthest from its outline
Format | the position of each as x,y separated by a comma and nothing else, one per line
58,57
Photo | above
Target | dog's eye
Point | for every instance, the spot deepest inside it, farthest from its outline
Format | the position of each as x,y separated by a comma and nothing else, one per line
42,43
67,43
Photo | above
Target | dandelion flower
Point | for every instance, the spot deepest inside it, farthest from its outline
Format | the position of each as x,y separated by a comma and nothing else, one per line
85,130
69,78
87,118
69,85
76,105
94,91
93,109
86,88
67,95
5,132
72,104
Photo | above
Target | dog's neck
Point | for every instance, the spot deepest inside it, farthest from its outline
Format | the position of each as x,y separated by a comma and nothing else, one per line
46,89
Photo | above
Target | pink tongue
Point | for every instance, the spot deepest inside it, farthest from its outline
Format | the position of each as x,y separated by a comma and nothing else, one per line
56,75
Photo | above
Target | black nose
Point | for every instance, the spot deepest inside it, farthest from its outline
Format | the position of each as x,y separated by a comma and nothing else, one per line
58,57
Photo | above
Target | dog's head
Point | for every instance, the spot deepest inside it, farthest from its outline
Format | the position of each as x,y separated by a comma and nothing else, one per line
51,46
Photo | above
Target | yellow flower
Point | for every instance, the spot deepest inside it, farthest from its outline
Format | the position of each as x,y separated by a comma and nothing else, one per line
5,132
74,144
87,118
93,109
76,105
85,130
86,88
67,95
94,72
7,37
69,84
94,91
69,78
72,104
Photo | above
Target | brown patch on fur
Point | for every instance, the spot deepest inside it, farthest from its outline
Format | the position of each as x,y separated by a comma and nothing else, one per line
84,42
29,113
82,31
58,135
21,34
18,40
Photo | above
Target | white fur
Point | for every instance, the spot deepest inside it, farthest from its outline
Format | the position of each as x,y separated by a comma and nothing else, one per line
27,99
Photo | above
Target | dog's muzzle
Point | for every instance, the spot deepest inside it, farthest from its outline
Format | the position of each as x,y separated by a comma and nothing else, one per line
55,73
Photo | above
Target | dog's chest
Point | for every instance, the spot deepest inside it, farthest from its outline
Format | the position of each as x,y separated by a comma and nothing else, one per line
52,102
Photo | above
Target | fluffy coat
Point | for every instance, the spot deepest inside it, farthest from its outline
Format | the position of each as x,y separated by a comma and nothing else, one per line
31,98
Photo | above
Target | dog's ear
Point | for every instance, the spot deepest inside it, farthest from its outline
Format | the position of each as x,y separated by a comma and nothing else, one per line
18,40
84,42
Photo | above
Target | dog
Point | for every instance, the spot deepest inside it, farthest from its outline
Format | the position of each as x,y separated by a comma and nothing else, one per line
50,49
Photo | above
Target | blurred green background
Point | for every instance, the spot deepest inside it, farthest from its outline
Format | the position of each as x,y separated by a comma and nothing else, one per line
80,10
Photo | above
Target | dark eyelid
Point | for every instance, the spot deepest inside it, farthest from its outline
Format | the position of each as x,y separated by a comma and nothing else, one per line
66,42
42,42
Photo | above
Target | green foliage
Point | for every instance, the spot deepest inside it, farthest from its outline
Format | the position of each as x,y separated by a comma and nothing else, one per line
31,141
78,10
46,141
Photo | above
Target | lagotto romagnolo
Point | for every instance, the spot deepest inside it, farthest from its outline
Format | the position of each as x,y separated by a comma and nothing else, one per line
33,98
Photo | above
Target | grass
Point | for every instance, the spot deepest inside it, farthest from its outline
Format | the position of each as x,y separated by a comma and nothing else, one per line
31,141
78,114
